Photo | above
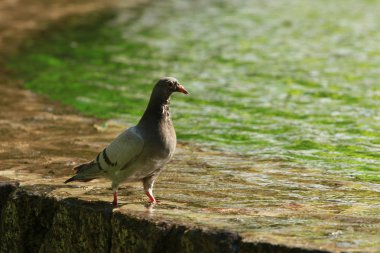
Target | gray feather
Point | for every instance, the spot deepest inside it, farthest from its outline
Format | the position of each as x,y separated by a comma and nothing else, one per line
140,152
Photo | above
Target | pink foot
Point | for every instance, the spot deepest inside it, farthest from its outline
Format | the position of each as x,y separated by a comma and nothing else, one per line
151,197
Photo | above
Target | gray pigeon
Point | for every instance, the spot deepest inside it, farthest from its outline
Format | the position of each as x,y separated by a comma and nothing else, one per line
140,152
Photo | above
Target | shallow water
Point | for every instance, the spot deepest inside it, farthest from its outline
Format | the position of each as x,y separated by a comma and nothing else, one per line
295,81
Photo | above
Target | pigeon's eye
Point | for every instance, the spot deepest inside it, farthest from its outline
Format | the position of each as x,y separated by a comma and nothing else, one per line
171,85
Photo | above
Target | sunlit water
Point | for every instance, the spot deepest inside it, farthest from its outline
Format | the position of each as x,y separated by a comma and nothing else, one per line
296,81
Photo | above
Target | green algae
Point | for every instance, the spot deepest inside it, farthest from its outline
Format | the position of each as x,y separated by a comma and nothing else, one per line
293,80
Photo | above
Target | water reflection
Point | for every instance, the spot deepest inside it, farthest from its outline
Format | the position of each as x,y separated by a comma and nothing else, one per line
290,80
294,85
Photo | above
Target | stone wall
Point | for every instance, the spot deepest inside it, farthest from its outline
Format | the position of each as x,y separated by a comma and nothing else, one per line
31,221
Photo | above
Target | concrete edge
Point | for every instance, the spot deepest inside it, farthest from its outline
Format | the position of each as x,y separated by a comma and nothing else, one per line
33,222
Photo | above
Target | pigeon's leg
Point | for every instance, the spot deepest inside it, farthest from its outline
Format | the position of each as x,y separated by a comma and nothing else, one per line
115,187
148,187
149,193
114,202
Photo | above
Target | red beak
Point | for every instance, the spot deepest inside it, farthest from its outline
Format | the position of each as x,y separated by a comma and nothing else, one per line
182,89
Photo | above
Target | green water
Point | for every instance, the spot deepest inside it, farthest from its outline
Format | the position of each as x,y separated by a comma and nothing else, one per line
294,80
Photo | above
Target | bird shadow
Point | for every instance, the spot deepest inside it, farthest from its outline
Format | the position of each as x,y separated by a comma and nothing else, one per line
97,205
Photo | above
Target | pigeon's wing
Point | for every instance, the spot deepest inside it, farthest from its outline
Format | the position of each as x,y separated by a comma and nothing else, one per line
117,155
121,151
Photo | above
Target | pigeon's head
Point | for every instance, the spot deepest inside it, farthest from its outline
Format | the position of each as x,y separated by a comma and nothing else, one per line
167,85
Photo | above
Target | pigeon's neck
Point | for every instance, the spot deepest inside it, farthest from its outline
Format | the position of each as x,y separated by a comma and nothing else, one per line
157,110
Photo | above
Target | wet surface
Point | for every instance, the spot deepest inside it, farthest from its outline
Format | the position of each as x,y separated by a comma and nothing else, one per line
264,200
17,24
290,80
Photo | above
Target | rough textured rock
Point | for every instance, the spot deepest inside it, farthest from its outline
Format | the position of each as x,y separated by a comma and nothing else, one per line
132,234
79,227
262,247
25,219
34,222
31,221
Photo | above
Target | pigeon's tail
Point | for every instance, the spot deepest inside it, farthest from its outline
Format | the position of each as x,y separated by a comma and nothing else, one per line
85,172
82,166
70,179
75,178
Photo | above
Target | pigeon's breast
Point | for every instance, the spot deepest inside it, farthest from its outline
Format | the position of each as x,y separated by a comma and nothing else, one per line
162,148
157,152
168,139
159,145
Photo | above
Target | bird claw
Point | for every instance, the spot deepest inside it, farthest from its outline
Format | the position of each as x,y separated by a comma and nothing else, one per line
152,203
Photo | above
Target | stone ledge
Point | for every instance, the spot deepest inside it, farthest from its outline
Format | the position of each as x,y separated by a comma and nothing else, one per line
31,221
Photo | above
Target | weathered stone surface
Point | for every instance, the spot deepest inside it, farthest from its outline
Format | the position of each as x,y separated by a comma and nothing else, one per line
34,222
262,247
79,227
25,219
132,234
31,221
6,188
